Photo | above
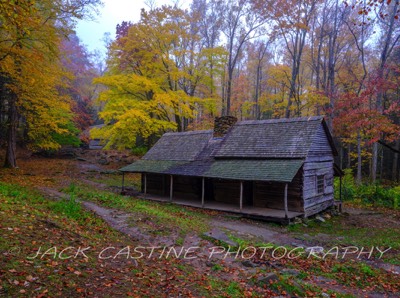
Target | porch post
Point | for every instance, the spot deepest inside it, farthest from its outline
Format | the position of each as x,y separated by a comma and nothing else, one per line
145,184
241,195
171,188
285,201
123,183
202,192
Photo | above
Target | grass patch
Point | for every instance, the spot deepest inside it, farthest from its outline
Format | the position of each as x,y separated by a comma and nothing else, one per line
167,215
286,284
220,288
114,179
70,208
341,233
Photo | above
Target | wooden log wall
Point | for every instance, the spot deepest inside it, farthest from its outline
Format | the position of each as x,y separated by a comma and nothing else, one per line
187,187
227,191
318,162
184,187
155,184
271,195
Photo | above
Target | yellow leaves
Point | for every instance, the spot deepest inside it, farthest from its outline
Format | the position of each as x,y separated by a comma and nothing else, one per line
154,70
313,101
128,126
29,42
131,111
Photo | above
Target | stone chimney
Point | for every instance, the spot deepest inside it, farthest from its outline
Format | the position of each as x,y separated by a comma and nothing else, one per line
222,125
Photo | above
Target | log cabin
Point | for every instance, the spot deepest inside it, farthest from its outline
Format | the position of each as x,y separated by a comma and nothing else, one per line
275,169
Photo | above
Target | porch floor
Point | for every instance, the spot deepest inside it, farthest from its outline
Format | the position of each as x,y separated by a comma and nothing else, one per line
267,214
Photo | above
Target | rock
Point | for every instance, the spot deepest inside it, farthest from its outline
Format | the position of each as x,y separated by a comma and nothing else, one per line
325,295
250,264
327,216
267,279
297,220
296,244
314,249
276,266
103,161
319,218
292,272
219,235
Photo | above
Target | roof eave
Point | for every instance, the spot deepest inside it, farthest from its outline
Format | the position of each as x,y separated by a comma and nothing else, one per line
329,136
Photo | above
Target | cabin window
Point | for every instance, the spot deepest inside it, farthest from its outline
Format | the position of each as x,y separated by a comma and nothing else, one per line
320,184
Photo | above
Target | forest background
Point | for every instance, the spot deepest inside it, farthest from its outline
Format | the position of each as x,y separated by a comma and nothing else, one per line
176,69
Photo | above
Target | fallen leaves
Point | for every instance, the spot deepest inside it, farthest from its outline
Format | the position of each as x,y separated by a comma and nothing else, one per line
28,223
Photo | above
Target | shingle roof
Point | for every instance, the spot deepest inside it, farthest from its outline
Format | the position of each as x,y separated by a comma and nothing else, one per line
270,150
179,146
277,138
282,170
151,166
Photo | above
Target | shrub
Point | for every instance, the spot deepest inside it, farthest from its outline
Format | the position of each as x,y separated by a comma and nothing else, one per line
348,186
139,151
367,194
378,195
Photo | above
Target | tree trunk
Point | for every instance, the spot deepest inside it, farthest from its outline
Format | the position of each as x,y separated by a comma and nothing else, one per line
395,162
228,93
349,156
257,89
374,165
359,160
11,158
341,155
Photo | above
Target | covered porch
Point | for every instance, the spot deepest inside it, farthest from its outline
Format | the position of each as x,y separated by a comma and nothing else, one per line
264,189
268,214
233,196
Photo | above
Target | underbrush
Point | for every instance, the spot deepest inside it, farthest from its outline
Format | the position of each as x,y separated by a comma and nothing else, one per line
375,195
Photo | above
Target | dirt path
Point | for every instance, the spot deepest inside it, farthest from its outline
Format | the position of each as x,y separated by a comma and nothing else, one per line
256,231
124,223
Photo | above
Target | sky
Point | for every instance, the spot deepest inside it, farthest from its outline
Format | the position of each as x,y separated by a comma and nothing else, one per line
112,13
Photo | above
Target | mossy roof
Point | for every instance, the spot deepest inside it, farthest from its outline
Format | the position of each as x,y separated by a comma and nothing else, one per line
268,150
